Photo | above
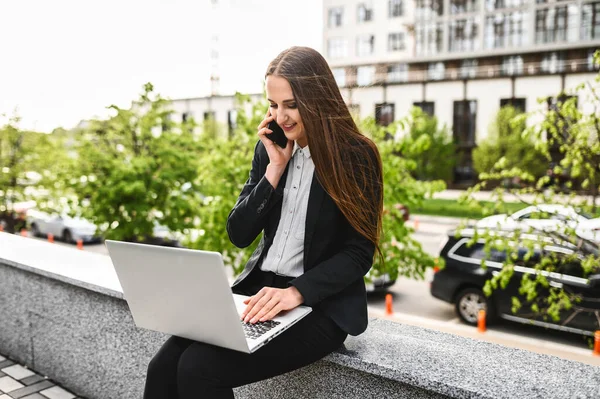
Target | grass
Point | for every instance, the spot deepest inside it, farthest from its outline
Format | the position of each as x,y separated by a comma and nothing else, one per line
451,208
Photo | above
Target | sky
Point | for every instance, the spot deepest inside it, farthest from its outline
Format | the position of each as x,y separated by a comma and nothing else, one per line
67,60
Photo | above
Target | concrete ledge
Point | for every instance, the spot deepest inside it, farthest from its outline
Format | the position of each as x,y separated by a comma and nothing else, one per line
57,321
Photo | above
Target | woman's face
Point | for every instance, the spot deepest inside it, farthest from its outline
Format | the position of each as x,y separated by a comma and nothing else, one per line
284,109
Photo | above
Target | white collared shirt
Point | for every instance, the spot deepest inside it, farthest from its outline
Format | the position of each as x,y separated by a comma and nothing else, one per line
286,255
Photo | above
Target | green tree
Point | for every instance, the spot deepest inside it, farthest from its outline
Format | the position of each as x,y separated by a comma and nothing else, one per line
428,146
564,130
25,157
136,170
222,171
507,144
402,254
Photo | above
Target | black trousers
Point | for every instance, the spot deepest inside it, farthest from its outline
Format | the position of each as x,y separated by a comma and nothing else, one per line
186,369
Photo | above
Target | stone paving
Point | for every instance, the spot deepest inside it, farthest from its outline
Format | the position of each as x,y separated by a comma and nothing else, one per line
19,382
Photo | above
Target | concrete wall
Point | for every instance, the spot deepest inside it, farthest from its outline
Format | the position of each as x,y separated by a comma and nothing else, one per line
57,321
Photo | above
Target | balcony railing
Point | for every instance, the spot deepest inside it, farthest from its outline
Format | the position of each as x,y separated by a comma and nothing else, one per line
479,72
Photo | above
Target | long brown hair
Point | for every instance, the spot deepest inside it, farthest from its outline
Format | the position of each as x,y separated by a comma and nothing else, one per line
347,163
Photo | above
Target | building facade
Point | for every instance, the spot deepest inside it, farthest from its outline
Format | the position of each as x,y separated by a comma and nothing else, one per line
460,60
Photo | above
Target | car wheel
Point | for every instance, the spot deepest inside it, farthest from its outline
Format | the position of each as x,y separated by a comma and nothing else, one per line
67,237
468,303
35,231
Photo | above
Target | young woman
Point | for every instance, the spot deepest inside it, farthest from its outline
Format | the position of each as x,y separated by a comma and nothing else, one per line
318,204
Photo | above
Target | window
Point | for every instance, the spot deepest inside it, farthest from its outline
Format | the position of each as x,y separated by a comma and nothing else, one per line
463,130
491,5
590,61
463,35
340,76
512,65
397,73
436,71
395,42
553,63
232,121
468,69
365,12
337,48
209,115
365,75
463,6
384,114
335,16
184,117
354,109
506,30
426,9
468,250
429,38
426,106
556,24
395,8
517,103
365,45
590,21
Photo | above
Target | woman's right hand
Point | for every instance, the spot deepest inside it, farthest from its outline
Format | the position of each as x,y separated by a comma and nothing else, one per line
278,157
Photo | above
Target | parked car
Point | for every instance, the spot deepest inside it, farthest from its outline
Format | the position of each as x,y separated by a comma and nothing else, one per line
62,227
71,229
546,217
462,279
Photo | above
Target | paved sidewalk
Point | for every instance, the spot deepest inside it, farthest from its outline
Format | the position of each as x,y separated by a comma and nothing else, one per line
18,382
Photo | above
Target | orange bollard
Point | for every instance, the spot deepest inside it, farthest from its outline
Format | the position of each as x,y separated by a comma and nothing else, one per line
597,343
388,304
50,237
24,232
79,244
481,321
416,223
1,228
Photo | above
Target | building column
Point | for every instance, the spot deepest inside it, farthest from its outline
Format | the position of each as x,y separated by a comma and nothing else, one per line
577,26
531,24
481,29
445,27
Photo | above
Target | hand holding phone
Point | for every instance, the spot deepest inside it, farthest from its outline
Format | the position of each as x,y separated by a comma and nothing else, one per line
278,135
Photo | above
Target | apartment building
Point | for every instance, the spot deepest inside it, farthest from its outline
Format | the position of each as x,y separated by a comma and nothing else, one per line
460,60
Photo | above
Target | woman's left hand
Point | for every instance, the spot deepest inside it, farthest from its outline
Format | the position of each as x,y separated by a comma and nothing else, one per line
268,302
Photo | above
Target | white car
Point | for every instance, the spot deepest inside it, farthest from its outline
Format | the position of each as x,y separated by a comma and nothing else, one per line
70,229
545,217
62,227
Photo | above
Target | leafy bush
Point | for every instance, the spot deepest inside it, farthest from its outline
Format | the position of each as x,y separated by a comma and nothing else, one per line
428,146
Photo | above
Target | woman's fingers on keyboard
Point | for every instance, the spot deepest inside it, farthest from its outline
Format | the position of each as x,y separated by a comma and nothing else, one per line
266,309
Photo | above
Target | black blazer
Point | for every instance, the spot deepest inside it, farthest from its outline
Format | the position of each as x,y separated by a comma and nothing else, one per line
336,257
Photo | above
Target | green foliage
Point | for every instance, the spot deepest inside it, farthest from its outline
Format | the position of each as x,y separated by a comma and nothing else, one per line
567,133
25,158
222,171
135,170
428,146
403,255
506,147
457,209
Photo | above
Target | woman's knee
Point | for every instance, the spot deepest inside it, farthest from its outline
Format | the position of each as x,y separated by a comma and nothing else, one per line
166,359
201,362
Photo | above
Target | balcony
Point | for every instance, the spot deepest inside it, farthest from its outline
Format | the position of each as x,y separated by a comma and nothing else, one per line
472,72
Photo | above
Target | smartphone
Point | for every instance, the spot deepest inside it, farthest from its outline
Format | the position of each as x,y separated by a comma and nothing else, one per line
278,136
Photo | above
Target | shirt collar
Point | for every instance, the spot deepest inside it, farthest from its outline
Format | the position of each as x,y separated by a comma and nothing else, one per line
305,151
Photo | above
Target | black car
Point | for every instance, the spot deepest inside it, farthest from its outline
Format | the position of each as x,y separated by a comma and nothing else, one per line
462,279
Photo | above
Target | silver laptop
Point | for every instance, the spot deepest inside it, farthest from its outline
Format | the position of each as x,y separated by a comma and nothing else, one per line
186,293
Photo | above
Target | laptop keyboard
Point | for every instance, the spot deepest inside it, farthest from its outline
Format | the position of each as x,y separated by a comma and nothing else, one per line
254,331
